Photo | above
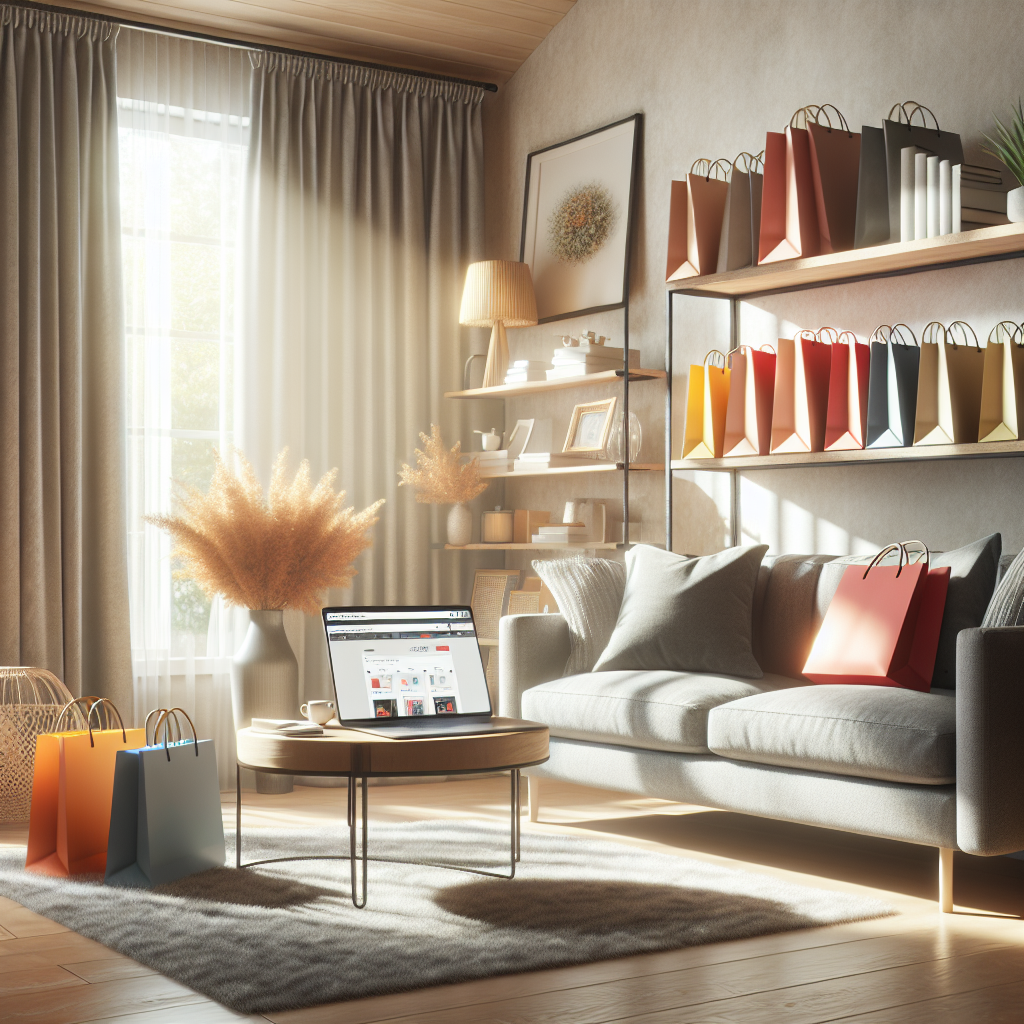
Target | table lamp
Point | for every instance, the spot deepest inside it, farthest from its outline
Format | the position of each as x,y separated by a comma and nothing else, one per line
498,294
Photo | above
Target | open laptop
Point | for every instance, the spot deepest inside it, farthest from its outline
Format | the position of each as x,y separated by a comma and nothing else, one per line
409,672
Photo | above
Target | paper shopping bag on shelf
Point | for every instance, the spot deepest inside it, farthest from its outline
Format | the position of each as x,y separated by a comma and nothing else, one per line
748,417
695,220
949,386
71,790
835,164
706,404
165,817
872,221
800,405
846,421
788,177
868,632
892,387
903,134
1002,384
741,222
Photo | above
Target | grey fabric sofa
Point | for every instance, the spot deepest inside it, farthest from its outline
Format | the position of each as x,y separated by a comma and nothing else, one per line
942,769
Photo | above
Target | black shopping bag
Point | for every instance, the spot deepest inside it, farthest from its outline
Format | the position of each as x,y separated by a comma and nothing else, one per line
892,387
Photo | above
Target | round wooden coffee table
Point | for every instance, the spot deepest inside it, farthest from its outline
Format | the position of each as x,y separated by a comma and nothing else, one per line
359,756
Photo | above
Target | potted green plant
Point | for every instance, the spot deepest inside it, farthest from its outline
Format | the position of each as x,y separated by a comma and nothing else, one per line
1008,146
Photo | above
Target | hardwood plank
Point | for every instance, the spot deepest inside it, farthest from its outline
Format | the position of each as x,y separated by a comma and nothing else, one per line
94,971
603,990
5,934
62,949
206,1012
36,978
1000,1004
80,1003
21,922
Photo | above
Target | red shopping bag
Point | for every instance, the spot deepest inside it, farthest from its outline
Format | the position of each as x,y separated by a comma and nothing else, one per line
799,218
800,406
869,633
695,220
748,417
835,168
846,423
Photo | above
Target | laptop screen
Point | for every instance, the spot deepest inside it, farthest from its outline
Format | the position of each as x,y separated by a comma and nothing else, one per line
405,662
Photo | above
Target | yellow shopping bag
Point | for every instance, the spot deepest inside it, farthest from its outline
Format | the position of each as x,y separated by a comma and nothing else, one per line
706,405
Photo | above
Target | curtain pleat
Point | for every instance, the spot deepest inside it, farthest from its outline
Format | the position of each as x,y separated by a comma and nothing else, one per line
63,567
364,206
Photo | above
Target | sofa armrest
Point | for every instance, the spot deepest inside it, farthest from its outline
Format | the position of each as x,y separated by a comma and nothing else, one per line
532,649
990,740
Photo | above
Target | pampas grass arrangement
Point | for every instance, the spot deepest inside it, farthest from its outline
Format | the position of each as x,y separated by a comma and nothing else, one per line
442,478
280,552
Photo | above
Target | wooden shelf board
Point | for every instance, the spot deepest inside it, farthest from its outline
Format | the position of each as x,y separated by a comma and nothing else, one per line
896,257
534,387
606,546
924,453
596,467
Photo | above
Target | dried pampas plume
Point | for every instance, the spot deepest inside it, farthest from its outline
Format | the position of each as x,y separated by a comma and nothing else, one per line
282,552
441,477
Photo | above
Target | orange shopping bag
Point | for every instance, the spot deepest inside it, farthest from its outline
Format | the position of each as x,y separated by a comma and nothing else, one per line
846,423
706,404
695,220
800,408
789,217
1002,386
71,792
748,416
882,627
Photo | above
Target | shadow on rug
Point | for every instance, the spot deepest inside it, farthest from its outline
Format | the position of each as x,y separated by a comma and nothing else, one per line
286,935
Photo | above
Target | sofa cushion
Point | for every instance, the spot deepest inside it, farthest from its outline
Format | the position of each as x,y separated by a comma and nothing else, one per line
653,710
1007,605
684,614
869,731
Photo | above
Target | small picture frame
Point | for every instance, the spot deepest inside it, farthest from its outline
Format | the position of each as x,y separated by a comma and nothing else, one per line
589,428
519,439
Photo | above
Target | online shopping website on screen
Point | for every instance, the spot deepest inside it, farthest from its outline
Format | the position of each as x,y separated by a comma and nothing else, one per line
405,663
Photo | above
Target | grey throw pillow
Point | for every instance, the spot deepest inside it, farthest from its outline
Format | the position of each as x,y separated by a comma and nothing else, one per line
589,593
686,614
972,580
1007,605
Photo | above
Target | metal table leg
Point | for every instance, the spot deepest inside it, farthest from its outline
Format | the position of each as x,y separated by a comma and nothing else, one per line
238,816
516,808
352,781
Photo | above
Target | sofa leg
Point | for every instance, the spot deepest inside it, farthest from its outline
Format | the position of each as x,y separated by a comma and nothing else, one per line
533,785
945,880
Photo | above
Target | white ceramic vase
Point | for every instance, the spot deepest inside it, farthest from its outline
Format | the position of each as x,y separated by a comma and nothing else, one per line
1015,205
265,683
460,525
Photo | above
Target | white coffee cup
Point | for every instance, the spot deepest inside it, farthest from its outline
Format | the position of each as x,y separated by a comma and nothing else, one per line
319,711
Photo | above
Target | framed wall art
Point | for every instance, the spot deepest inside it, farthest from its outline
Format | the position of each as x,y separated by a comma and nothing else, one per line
577,220
589,428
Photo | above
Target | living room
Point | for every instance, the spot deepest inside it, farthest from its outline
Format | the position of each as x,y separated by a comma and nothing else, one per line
713,712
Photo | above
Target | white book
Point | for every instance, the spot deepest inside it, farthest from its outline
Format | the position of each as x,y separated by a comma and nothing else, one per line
945,197
932,176
907,193
920,194
287,727
559,538
578,529
955,190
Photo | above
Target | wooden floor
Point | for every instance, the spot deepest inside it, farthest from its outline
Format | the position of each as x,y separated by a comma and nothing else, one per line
917,968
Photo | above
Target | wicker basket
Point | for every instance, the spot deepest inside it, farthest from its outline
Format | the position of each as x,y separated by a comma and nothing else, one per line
30,701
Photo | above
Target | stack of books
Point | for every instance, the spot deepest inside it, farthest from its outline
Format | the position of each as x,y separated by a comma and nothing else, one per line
493,463
588,358
982,197
545,460
562,533
523,370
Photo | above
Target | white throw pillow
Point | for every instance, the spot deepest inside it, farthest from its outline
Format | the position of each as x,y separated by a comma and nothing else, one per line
589,595
1007,605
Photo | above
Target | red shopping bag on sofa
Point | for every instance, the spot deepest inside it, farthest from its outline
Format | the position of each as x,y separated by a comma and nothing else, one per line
882,627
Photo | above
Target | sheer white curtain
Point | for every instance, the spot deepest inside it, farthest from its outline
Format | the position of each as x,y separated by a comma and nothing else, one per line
183,124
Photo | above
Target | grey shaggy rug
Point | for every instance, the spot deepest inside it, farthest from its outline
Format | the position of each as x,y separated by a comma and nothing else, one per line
284,936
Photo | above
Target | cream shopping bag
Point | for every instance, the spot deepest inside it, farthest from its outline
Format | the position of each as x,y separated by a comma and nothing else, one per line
949,385
1002,384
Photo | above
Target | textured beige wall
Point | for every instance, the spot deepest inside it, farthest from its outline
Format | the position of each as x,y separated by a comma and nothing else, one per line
711,76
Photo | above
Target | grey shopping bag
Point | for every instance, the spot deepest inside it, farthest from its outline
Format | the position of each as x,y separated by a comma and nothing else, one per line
741,224
901,134
892,387
872,225
165,817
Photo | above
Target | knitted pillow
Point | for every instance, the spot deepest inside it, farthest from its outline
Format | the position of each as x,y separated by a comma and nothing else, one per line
1007,605
589,594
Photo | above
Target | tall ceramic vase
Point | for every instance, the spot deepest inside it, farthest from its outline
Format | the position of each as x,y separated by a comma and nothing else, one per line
460,525
265,683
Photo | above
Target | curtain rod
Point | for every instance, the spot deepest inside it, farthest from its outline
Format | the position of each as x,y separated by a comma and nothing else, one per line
242,45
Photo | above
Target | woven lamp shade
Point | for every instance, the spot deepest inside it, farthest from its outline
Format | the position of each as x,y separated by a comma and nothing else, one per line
498,291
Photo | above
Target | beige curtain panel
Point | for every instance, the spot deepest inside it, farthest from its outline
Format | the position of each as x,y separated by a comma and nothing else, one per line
364,208
64,591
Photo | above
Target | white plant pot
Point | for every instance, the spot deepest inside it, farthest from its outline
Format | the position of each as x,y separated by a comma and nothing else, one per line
1015,205
460,525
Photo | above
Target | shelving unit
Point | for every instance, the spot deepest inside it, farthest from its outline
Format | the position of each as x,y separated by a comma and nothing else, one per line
985,245
596,467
